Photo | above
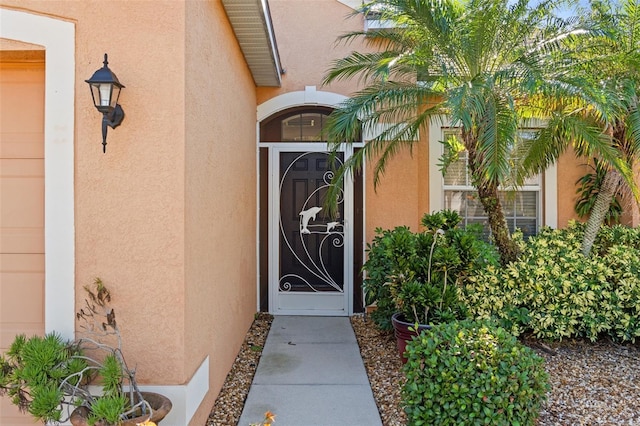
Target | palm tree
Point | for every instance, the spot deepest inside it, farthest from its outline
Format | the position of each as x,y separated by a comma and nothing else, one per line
615,63
484,64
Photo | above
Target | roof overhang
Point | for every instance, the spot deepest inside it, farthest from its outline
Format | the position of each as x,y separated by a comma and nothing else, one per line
251,22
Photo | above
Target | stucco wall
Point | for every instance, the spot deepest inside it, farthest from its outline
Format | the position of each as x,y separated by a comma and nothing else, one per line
167,216
307,33
570,169
220,191
129,202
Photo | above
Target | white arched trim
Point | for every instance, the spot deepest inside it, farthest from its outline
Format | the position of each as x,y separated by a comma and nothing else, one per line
58,39
310,96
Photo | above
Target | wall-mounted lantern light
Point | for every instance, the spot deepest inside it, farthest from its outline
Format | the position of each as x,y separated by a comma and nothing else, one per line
105,90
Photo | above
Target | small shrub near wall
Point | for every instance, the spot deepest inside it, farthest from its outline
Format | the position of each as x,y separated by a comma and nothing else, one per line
555,292
469,373
405,270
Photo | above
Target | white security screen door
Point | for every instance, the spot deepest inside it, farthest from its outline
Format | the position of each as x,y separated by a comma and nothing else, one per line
310,251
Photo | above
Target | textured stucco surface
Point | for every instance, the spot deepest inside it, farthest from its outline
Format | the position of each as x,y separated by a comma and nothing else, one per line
167,216
220,194
308,45
570,169
129,202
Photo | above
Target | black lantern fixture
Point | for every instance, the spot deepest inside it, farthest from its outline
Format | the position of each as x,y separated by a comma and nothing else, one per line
105,90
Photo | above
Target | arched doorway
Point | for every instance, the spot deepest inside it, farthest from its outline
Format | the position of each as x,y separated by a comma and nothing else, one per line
310,261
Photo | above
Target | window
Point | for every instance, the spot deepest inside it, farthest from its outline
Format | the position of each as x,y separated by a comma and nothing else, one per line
302,127
299,124
295,125
521,208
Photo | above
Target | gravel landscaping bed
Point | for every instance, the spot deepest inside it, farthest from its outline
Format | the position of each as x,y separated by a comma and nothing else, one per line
592,383
228,406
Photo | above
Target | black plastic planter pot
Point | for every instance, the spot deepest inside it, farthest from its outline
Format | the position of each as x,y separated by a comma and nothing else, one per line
405,331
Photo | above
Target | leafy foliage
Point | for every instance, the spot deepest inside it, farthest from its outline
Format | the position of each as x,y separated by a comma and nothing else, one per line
588,189
491,67
555,292
32,370
109,409
472,373
418,274
612,60
45,375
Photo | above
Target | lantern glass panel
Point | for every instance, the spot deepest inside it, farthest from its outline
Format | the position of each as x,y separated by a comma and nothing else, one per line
105,94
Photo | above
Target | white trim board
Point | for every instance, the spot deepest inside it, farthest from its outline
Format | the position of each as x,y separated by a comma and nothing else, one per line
185,398
310,96
58,39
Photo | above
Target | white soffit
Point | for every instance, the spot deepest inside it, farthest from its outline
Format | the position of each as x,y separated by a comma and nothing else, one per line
251,22
353,4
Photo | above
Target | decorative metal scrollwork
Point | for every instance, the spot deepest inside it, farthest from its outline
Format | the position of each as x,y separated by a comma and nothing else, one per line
331,233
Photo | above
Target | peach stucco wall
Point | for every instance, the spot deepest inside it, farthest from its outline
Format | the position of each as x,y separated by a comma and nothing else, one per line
307,33
307,47
167,216
570,169
129,202
220,190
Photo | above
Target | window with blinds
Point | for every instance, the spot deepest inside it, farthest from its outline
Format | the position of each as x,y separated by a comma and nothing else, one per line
521,208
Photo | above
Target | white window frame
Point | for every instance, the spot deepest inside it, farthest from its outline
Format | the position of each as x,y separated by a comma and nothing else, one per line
548,188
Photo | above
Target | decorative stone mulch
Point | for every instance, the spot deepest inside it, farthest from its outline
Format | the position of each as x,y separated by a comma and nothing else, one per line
228,406
592,383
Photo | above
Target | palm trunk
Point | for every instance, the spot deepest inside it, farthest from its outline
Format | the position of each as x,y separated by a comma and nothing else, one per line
488,193
507,248
603,202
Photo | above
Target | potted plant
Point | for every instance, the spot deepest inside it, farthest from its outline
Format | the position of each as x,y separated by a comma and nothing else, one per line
86,381
415,277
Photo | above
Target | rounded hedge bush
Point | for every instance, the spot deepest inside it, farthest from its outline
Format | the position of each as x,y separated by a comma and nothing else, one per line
472,373
555,292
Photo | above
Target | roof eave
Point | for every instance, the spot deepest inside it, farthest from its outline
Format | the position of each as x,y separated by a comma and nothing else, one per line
252,25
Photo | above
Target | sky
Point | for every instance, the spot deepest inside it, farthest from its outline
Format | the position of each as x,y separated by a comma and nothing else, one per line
572,10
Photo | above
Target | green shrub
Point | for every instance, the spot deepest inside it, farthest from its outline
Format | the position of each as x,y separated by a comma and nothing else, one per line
555,292
419,273
587,192
472,373
389,251
33,368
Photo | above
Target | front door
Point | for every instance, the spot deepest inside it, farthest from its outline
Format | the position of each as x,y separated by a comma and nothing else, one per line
310,249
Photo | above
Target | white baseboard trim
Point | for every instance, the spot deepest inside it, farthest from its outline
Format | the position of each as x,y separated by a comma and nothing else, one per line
185,398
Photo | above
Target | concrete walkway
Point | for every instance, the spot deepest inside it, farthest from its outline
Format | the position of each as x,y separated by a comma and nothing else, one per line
311,373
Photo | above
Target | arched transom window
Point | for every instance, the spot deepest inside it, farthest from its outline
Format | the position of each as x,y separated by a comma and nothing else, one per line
295,125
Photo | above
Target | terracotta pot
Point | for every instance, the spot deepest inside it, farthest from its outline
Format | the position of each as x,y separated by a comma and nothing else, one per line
160,404
403,332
